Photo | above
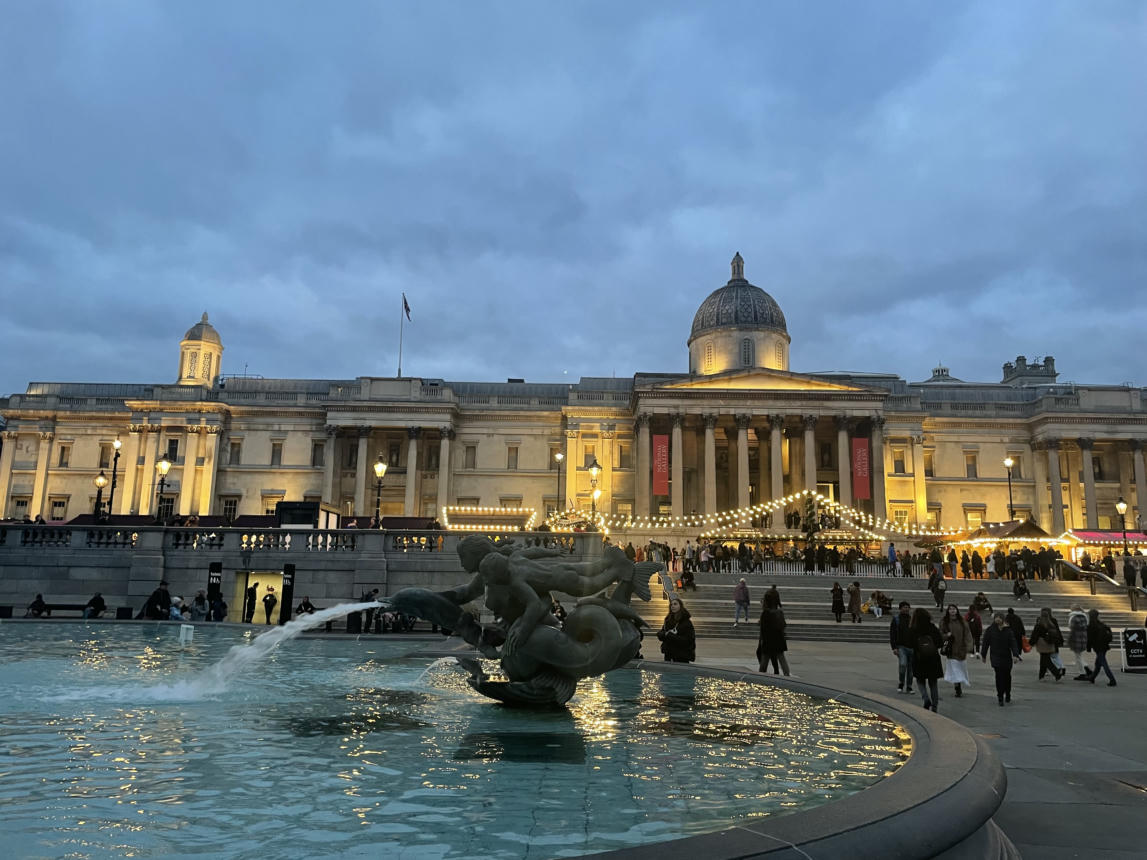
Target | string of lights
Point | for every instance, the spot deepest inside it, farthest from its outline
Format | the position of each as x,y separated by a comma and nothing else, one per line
482,511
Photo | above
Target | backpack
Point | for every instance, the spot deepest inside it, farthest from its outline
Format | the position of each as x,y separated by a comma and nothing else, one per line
926,648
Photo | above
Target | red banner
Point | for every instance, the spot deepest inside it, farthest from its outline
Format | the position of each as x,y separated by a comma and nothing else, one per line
660,465
861,471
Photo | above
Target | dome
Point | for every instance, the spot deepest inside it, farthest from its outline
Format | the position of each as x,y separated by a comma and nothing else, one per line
738,304
203,330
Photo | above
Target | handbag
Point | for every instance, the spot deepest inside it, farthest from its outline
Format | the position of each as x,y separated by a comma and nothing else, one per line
1057,661
1025,645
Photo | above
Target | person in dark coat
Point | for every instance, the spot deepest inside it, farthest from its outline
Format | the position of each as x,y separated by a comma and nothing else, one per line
837,601
771,644
1129,574
977,564
1001,645
900,637
1047,639
251,598
927,668
678,638
95,607
306,607
269,602
218,609
159,604
38,608
1099,640
854,602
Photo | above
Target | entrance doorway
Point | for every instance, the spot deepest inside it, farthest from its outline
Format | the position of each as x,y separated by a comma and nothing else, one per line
269,582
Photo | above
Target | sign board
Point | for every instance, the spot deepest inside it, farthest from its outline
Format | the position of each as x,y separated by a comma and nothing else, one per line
1134,649
860,468
660,465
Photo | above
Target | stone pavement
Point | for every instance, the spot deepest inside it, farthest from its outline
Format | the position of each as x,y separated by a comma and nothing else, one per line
1075,753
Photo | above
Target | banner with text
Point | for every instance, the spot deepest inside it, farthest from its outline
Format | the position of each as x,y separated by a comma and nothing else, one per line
861,485
660,465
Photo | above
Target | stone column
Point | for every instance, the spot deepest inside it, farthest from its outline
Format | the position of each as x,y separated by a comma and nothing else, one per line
809,444
710,464
129,465
6,458
207,476
777,423
40,486
762,464
605,480
148,478
677,468
919,486
1074,502
1040,502
187,473
570,466
843,461
410,504
330,464
743,461
1055,484
1140,483
360,473
644,474
1086,446
447,434
1124,455
878,469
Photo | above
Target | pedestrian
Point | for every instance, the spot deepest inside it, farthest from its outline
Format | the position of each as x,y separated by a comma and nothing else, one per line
741,601
305,607
158,605
678,639
1000,642
250,597
927,667
900,637
771,643
269,602
1099,640
1129,574
1077,640
773,597
982,604
837,601
939,589
1020,588
369,596
977,564
975,626
199,608
1016,625
218,609
1046,640
854,602
892,560
95,607
957,643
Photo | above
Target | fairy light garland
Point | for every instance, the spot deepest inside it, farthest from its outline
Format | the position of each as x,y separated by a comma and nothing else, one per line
483,511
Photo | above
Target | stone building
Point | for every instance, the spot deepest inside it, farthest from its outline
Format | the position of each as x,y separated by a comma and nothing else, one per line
739,427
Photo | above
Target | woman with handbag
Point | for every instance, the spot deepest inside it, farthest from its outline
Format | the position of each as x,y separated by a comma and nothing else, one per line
957,642
1046,638
678,638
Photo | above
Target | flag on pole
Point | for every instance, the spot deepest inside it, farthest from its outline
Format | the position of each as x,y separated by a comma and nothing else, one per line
406,306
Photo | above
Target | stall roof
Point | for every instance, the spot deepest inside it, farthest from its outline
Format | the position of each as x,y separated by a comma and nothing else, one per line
1013,530
1105,536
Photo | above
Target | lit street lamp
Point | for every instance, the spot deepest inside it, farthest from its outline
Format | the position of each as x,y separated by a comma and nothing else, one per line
163,467
594,471
101,481
379,472
1121,508
1008,463
559,456
117,444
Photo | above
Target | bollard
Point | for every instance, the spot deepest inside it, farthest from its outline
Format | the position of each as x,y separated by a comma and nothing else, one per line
1091,582
186,634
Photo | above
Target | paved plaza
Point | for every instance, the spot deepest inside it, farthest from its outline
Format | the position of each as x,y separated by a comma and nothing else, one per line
1075,753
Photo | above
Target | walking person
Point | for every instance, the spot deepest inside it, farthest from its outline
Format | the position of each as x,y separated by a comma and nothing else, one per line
1099,640
1077,640
1016,624
1129,574
927,667
741,601
975,626
269,602
837,601
771,643
854,602
1020,588
1046,639
939,589
1000,643
957,643
249,600
900,637
678,638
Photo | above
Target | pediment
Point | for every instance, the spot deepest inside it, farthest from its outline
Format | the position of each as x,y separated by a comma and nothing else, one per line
757,380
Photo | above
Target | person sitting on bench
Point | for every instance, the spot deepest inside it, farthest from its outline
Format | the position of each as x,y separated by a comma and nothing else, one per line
38,608
95,607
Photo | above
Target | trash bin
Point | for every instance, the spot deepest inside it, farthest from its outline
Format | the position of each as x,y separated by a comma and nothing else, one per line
124,613
5,611
354,622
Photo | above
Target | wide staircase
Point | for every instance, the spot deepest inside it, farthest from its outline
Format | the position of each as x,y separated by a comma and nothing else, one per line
807,603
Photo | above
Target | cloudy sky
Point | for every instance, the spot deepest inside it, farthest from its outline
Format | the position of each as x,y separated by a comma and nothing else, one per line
557,187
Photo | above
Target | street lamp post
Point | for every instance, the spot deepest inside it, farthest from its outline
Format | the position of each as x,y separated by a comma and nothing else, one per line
379,472
594,471
163,467
1008,463
558,457
1121,508
101,481
117,444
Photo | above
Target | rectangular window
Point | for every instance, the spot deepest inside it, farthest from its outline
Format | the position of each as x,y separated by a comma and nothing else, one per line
826,455
269,503
929,464
933,518
510,501
20,507
350,461
105,455
1097,465
230,508
970,470
166,508
172,450
624,455
470,457
235,455
590,454
900,516
624,509
468,502
65,456
318,454
276,453
973,519
512,457
393,454
898,462
432,461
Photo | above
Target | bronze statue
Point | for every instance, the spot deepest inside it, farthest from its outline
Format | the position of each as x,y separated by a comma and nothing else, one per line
542,658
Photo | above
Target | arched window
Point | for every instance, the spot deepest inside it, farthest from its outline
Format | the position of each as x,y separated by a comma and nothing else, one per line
192,361
747,352
708,357
780,355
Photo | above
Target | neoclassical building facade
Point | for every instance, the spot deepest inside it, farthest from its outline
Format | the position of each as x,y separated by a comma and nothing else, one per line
738,428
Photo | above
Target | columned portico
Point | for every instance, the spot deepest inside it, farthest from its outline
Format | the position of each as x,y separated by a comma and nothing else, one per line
445,437
677,468
1086,446
743,422
570,466
410,503
777,423
360,471
39,488
643,476
1140,481
878,469
710,464
187,474
130,467
1040,504
7,456
207,476
147,488
1055,484
809,447
919,487
843,461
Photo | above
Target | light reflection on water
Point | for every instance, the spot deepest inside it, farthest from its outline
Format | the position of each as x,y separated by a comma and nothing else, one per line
333,747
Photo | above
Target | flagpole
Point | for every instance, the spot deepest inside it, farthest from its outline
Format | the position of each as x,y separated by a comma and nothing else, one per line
401,315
